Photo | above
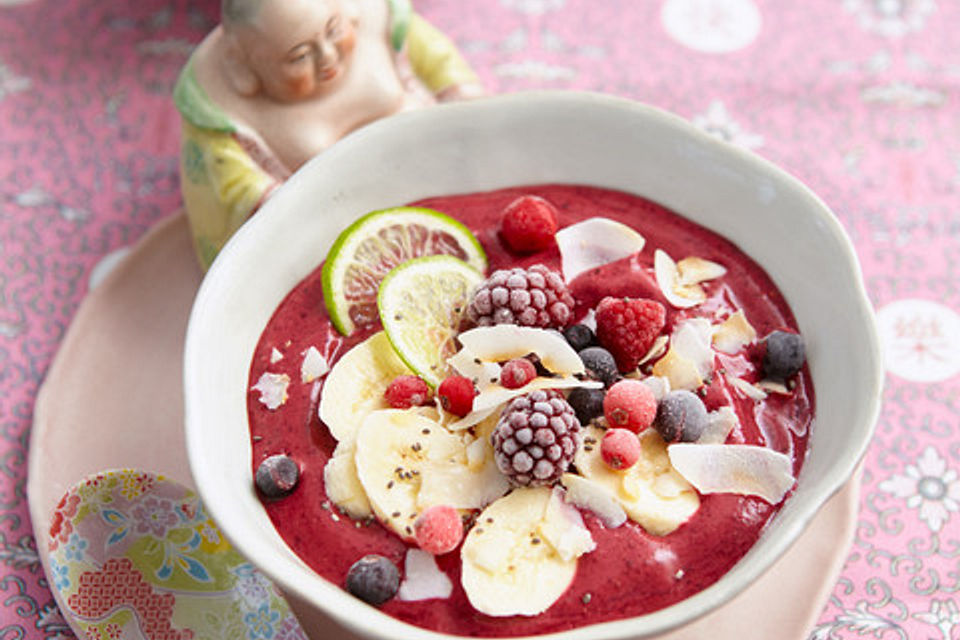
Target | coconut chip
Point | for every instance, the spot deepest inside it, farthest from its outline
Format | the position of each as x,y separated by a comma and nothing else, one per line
273,389
680,281
733,334
694,270
593,243
657,349
275,355
503,342
422,578
774,386
751,391
719,425
734,468
314,365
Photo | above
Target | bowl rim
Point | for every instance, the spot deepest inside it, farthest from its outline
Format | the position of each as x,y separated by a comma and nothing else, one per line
369,621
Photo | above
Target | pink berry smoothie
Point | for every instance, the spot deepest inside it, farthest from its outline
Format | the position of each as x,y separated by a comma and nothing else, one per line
631,572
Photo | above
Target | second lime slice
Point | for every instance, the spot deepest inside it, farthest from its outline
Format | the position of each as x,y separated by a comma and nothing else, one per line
421,303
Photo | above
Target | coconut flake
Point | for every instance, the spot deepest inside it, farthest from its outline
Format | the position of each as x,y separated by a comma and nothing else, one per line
314,365
680,371
657,349
691,339
734,468
719,425
733,334
468,364
668,279
503,342
422,578
694,270
595,242
595,497
660,386
273,389
774,386
275,355
749,390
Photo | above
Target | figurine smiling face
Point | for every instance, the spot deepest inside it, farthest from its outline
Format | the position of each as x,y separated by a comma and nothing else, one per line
291,50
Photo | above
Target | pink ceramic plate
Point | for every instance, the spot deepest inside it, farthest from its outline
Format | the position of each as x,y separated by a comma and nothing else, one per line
113,399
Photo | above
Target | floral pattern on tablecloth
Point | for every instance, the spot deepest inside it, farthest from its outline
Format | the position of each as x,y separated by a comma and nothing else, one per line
860,99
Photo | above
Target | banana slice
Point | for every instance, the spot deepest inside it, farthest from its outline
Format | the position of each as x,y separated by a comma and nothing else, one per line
510,564
355,385
342,485
651,492
407,462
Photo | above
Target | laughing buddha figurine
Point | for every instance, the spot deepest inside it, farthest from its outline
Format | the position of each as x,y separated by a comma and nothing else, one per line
279,81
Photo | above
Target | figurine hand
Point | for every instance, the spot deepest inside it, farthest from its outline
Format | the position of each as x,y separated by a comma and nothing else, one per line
468,91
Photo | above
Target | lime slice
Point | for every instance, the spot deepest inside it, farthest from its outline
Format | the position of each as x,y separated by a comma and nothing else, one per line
369,248
421,303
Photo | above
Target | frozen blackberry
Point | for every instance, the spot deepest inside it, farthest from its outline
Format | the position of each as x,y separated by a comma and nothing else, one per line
580,336
533,297
535,439
681,417
783,356
600,364
373,579
587,403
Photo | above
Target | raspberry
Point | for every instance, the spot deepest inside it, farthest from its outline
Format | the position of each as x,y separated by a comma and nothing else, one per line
438,530
535,439
533,297
456,395
517,372
627,327
630,404
529,224
407,391
620,449
681,416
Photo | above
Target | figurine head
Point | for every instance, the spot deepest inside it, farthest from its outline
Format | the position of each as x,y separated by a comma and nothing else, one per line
288,50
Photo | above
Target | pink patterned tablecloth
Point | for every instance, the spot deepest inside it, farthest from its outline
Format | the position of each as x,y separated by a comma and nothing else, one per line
858,98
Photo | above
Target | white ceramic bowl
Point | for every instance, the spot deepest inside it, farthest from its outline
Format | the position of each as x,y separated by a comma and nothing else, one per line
510,141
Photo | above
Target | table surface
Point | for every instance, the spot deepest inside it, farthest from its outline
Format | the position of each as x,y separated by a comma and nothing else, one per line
860,99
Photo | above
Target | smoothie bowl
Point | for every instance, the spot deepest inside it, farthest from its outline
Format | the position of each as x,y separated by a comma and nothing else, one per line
545,365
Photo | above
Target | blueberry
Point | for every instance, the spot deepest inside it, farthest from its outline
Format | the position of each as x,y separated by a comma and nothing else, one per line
587,403
784,355
601,364
580,336
373,579
681,416
277,476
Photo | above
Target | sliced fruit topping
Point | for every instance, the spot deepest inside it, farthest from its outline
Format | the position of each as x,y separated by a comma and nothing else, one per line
277,476
594,497
373,579
422,578
356,383
651,492
627,327
536,438
620,448
407,462
783,355
407,391
273,389
367,250
528,224
504,342
630,404
421,304
595,242
341,484
510,564
438,530
532,297
680,281
734,468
